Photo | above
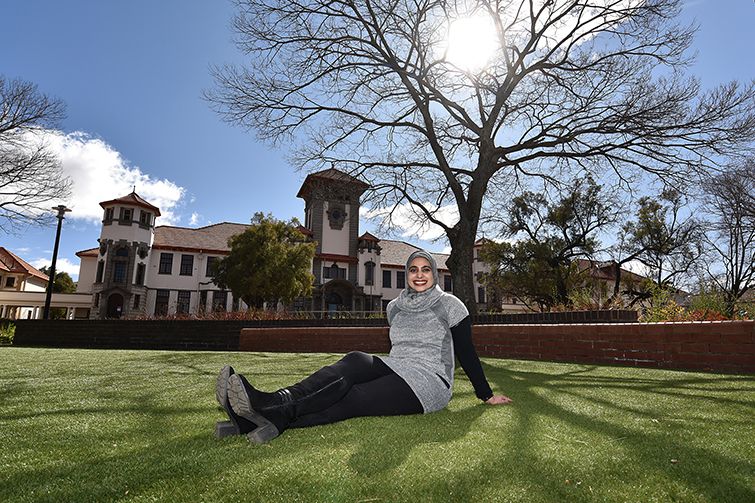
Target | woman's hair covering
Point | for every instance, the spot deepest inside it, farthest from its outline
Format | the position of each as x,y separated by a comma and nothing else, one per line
433,265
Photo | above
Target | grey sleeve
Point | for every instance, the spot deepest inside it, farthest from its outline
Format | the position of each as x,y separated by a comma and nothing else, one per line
457,311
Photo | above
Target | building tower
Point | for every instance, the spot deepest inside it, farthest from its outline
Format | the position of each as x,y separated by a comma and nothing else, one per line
128,228
331,209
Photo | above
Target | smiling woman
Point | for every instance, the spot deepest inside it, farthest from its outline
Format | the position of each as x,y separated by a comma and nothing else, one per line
472,41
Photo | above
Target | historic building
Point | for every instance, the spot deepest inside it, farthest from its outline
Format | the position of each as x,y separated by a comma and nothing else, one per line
16,276
140,269
23,292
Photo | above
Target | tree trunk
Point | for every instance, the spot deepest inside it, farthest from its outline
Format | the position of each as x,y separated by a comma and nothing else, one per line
460,263
617,279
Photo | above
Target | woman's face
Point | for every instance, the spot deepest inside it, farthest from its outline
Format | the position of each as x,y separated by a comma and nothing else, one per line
420,274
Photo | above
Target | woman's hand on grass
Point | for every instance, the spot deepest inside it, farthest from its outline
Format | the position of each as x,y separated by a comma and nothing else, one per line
498,400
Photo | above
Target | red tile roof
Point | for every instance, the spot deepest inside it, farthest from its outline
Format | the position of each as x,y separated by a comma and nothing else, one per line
10,262
305,231
132,199
91,252
331,174
209,239
369,237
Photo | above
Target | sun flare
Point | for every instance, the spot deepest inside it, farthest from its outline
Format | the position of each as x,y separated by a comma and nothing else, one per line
472,42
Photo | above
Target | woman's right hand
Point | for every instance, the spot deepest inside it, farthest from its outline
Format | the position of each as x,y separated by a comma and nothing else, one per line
498,400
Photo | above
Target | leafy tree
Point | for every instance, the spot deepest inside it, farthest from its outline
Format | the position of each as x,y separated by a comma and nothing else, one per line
30,175
571,87
63,281
270,261
542,267
731,237
661,239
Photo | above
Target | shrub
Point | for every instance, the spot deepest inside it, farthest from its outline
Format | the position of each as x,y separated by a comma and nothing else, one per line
7,332
662,307
708,304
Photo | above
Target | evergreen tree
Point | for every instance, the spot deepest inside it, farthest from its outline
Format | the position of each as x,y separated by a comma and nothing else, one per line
270,261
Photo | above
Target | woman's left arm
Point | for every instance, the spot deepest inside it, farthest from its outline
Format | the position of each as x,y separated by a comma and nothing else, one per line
470,362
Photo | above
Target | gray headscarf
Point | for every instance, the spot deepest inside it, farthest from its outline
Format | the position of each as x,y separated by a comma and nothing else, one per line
414,301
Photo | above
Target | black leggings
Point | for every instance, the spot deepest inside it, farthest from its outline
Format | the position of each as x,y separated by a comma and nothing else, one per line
375,390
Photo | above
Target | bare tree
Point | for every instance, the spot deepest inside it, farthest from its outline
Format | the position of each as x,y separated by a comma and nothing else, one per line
574,87
30,174
731,234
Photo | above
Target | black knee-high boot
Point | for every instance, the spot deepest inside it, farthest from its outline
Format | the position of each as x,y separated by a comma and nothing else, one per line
273,412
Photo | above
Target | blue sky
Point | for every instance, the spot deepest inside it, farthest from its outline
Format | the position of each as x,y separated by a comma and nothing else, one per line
131,74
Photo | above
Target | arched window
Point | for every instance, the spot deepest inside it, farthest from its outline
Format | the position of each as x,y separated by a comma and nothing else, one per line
334,272
369,273
120,266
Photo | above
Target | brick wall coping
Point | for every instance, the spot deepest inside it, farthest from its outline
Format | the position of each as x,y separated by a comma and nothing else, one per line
723,346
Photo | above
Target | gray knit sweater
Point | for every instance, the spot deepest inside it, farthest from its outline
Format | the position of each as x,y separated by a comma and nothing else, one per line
422,350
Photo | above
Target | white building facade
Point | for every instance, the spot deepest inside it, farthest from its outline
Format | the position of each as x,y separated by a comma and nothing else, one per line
143,270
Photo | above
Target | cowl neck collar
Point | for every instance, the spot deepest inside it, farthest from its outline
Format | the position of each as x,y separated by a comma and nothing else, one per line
412,301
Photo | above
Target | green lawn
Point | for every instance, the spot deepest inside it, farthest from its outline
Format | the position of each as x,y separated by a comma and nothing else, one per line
88,425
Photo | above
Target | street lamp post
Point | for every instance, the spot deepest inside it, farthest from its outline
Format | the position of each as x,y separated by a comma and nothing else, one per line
61,209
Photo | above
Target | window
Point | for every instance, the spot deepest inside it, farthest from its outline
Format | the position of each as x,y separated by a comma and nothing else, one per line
119,271
219,300
108,215
400,279
126,214
184,299
187,265
10,282
386,279
211,261
448,284
100,270
166,263
202,300
481,294
137,301
369,273
139,274
334,272
161,302
145,218
121,252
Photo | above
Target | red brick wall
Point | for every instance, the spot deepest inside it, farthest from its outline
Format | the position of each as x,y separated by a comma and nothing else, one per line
315,339
727,346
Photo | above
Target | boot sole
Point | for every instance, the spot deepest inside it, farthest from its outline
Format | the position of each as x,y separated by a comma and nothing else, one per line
242,405
221,395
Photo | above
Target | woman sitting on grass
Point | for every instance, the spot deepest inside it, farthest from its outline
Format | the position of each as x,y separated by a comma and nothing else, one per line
427,327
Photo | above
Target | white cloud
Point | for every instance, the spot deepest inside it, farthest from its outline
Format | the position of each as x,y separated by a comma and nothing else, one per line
411,223
100,173
62,264
194,220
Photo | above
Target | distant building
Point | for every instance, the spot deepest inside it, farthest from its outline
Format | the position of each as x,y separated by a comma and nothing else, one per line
23,287
140,269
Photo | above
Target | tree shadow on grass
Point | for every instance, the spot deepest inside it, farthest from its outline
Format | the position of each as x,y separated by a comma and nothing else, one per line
651,450
404,435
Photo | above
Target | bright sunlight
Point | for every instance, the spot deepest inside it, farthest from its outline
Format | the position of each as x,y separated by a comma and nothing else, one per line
472,42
